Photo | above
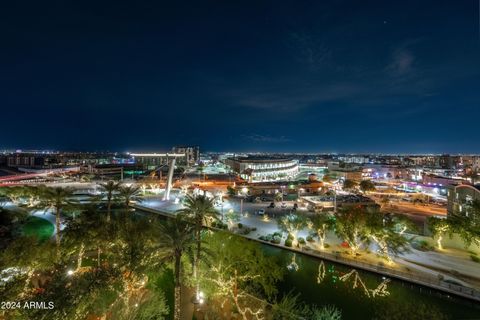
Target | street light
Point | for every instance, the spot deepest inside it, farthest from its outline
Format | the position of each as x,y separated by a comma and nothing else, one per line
334,199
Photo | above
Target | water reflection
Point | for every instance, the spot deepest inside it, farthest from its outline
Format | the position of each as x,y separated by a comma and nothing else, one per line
365,295
379,291
293,266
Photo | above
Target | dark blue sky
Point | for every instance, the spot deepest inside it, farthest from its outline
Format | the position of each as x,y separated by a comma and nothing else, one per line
313,76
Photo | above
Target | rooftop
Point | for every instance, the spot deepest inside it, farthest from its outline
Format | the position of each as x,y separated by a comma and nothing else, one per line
259,159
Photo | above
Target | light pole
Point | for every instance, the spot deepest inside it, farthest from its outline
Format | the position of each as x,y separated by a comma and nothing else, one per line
244,192
223,218
221,204
334,199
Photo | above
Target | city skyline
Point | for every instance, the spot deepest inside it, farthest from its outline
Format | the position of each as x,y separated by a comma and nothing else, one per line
252,159
276,77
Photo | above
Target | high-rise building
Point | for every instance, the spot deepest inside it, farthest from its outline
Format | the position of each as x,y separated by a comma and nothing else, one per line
192,155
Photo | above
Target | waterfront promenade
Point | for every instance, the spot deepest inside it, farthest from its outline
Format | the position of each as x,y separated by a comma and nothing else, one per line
411,271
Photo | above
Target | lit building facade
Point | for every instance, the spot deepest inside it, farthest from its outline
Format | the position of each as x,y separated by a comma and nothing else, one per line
461,197
255,169
192,155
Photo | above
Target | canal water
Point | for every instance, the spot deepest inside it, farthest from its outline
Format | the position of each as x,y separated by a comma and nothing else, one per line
358,302
319,282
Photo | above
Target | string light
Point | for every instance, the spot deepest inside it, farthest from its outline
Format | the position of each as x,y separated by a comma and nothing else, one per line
321,272
293,264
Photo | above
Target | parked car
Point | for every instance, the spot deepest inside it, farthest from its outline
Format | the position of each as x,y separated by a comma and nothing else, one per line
284,205
272,205
261,212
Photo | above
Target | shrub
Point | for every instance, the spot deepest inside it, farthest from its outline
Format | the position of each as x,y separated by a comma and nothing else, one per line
219,225
240,226
254,229
422,245
301,240
290,237
288,243
326,245
475,258
246,231
276,240
310,238
277,234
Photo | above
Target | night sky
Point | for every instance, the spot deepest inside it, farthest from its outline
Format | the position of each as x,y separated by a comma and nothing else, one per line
299,76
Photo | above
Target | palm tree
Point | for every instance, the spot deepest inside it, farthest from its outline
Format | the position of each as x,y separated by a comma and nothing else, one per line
349,184
198,210
128,193
14,193
110,188
175,237
58,199
85,234
3,197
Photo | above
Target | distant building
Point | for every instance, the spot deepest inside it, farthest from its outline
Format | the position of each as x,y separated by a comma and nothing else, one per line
444,161
121,170
460,199
26,160
327,203
435,180
269,189
52,160
258,168
344,170
354,159
192,155
472,162
151,161
375,171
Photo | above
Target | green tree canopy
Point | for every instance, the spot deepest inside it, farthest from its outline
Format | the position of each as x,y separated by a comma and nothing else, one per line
349,184
367,185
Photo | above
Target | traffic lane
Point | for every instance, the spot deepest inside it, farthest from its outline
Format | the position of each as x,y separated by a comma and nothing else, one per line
417,209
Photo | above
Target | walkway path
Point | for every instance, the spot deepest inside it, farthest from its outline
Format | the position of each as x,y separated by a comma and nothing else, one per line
187,305
415,267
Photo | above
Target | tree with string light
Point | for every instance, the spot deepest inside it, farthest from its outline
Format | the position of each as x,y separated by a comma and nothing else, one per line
292,223
321,224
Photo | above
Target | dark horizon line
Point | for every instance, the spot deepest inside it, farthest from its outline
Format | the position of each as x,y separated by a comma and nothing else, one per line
14,150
